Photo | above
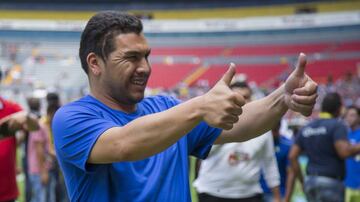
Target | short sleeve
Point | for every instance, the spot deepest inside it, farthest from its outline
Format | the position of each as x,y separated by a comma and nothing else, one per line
340,132
76,129
201,139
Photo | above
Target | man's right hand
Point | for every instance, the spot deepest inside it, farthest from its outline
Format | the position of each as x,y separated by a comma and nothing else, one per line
222,106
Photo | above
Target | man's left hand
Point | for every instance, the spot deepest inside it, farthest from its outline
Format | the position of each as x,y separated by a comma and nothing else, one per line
300,89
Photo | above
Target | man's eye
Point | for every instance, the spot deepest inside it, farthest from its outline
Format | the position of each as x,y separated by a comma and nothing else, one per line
132,57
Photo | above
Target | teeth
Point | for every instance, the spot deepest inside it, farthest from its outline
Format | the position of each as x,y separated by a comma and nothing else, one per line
139,82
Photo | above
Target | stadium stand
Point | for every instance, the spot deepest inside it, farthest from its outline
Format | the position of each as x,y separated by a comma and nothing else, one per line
160,9
260,73
265,56
259,49
42,54
261,62
167,76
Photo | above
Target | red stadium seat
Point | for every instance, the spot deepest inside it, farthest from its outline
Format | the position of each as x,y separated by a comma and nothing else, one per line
168,76
320,70
259,73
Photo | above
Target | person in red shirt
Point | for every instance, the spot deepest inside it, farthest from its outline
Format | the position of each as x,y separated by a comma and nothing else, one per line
12,119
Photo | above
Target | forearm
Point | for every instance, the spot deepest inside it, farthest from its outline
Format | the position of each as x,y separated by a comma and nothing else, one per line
52,150
351,150
290,182
276,193
355,149
297,171
257,118
147,135
40,156
345,149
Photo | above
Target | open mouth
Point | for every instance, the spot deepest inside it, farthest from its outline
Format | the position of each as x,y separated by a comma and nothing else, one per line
140,81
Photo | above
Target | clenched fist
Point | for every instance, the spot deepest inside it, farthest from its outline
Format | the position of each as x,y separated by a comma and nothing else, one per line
222,106
300,89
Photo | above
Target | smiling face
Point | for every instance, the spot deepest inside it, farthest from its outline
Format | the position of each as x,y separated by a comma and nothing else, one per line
122,77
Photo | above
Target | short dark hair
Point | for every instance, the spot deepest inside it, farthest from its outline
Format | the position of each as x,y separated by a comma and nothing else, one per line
100,31
331,104
34,104
53,99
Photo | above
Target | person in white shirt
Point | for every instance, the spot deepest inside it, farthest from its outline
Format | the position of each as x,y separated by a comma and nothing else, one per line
232,171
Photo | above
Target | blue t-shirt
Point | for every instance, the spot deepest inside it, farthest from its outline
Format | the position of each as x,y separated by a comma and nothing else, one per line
317,140
282,147
352,179
162,177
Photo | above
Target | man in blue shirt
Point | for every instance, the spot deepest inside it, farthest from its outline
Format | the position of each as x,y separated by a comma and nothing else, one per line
352,179
114,145
324,142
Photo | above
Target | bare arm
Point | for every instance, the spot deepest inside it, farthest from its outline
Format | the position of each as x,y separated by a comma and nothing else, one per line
290,182
147,135
258,117
298,94
40,154
153,133
50,144
344,149
220,108
295,167
276,193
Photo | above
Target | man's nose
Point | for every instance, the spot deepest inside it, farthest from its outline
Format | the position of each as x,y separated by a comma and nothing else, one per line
144,66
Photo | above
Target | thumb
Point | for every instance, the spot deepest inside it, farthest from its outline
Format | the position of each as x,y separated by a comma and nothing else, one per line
300,66
229,74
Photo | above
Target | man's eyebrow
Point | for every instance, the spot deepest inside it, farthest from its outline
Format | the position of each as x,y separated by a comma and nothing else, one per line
132,52
135,52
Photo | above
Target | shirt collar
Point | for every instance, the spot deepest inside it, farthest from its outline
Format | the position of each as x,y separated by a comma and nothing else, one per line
325,115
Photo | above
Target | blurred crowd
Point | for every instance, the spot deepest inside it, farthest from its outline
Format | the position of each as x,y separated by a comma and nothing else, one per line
37,164
43,177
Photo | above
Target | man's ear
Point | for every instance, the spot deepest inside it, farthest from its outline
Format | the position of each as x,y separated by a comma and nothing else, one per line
95,64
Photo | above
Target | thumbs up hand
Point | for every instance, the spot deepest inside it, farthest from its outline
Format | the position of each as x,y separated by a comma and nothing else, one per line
221,105
300,89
